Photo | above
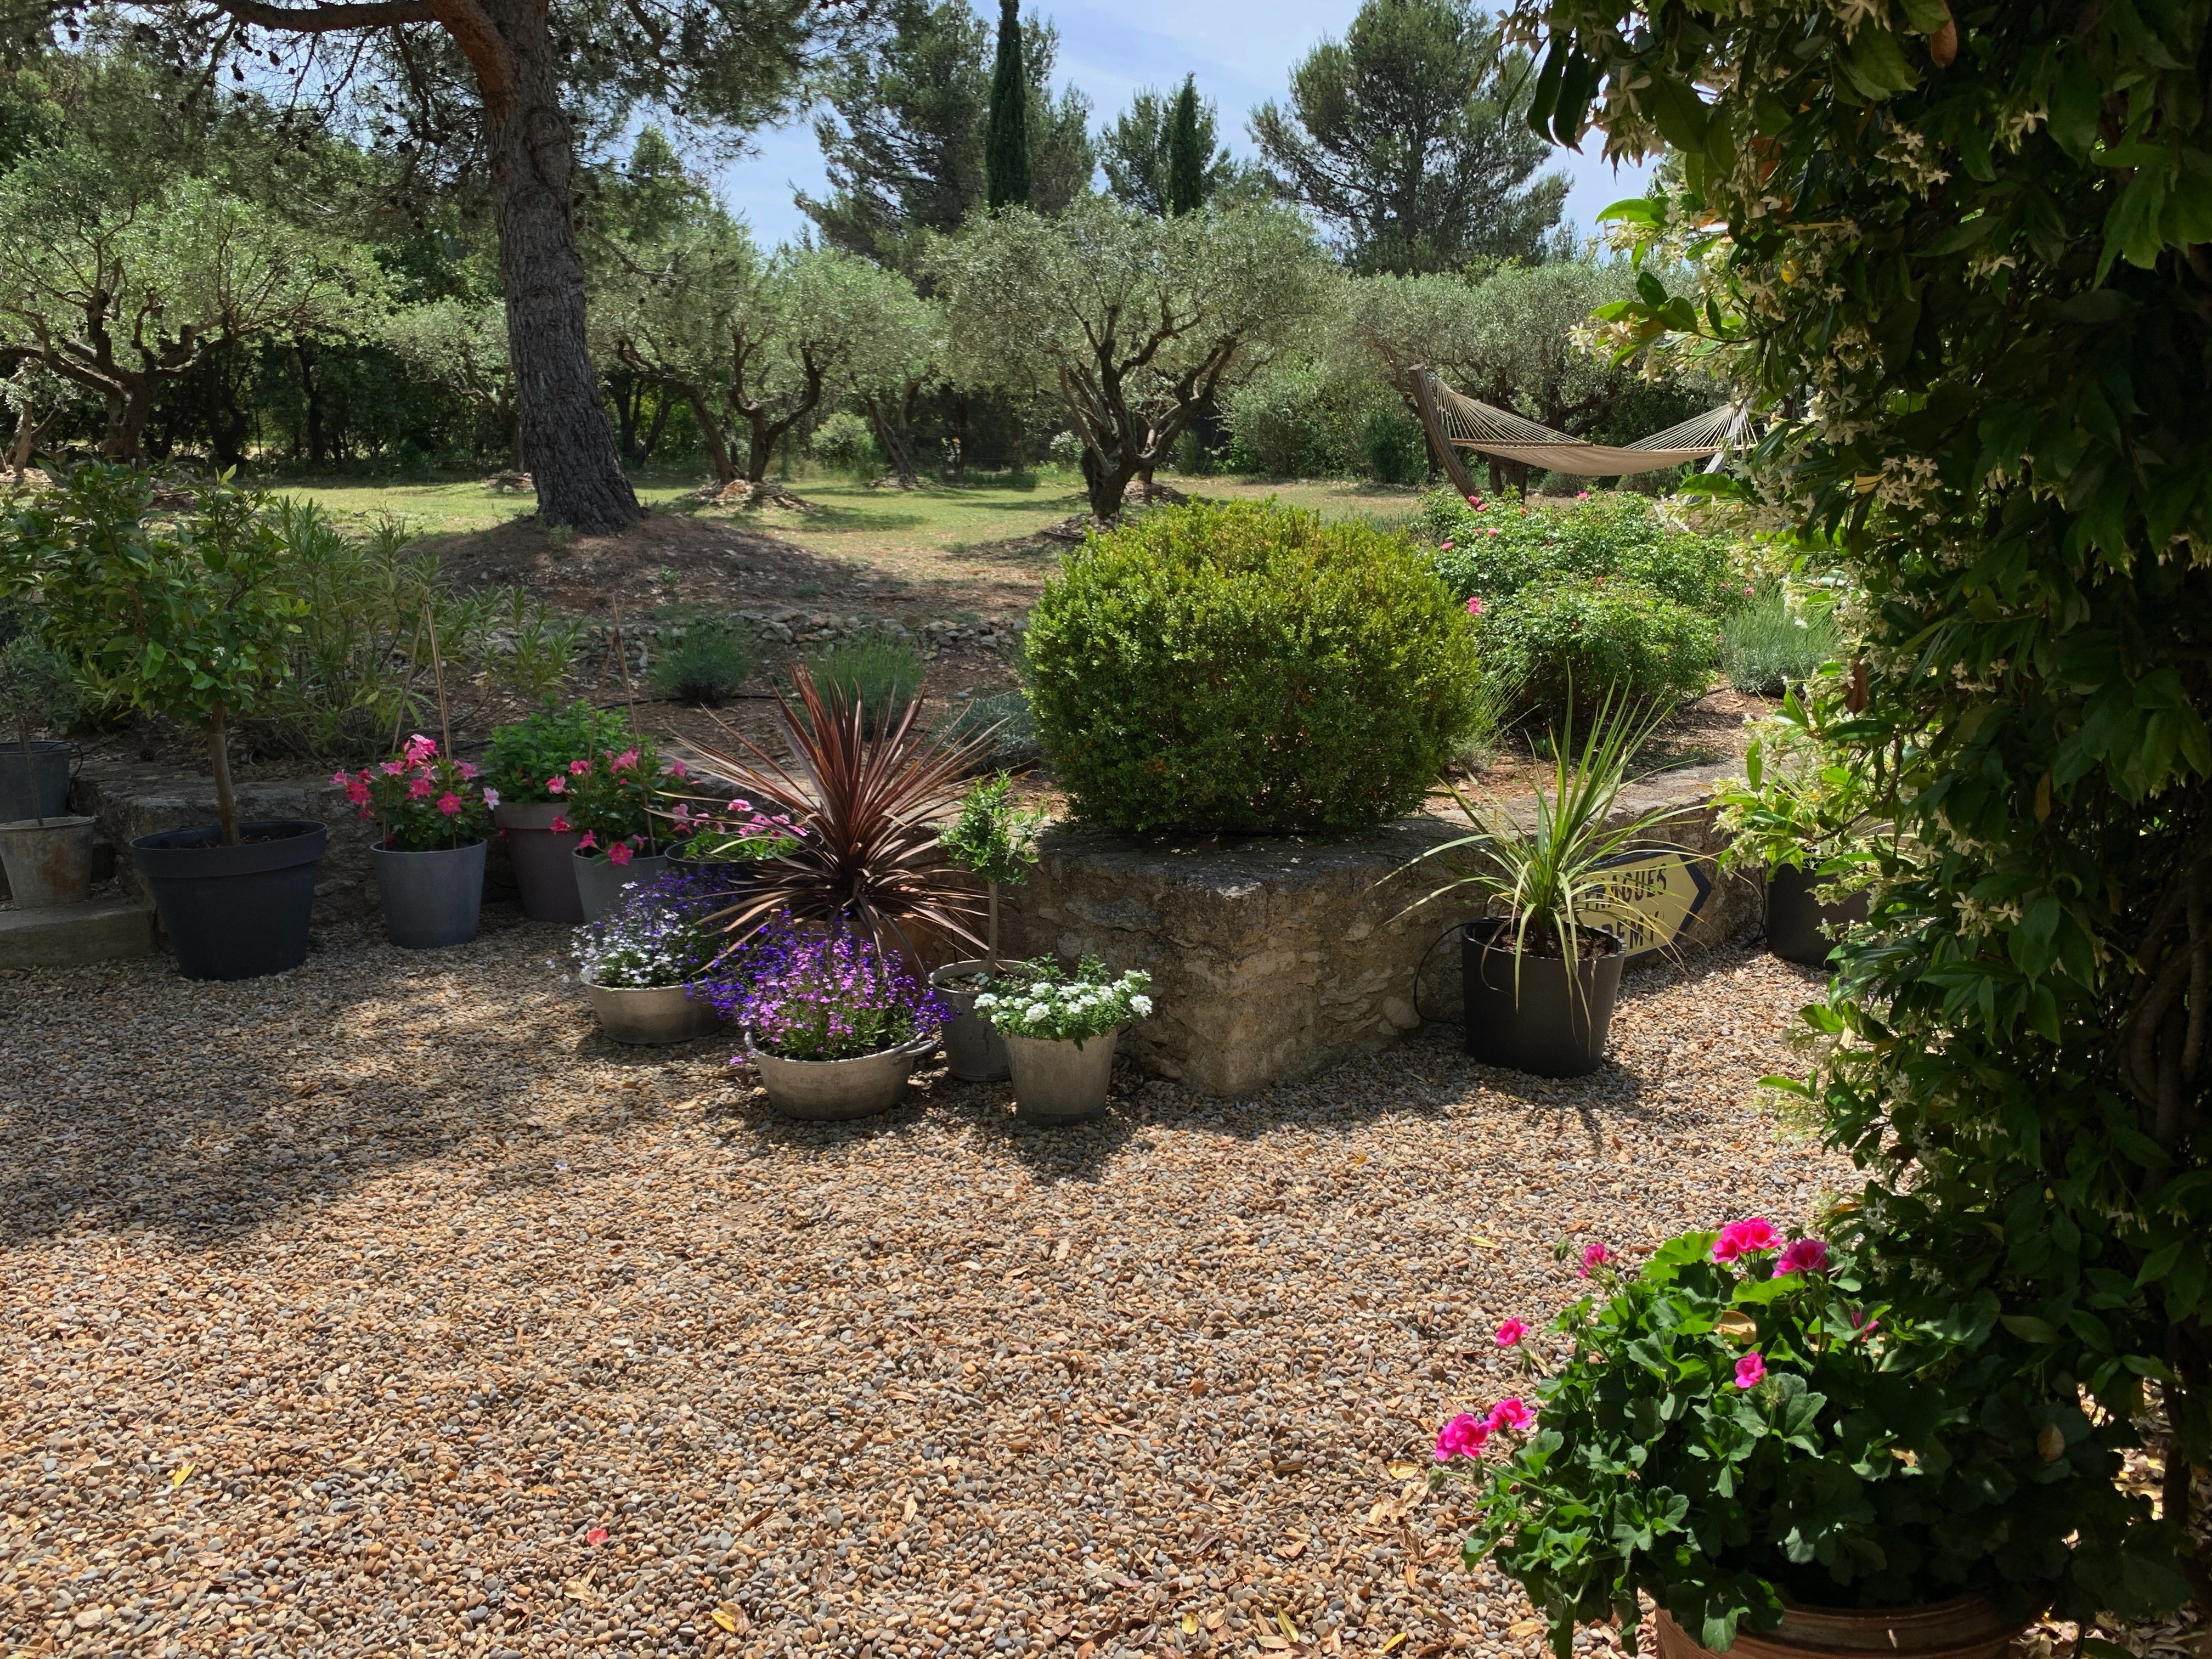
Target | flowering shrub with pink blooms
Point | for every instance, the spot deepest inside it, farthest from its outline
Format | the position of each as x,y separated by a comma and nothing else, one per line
422,800
527,755
610,795
1744,1418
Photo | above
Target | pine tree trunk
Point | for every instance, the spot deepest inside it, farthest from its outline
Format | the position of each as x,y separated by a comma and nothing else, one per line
566,434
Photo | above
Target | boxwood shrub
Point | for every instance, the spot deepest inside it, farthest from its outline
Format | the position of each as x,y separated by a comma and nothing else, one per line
1249,668
1594,636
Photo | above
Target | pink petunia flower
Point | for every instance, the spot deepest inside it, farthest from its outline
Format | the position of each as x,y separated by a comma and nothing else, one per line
1750,1237
1510,1332
619,853
1804,1255
1750,1371
450,803
1511,1414
1596,1256
556,784
1463,1436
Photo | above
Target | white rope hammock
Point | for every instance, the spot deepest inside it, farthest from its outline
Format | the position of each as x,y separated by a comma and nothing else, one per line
1468,424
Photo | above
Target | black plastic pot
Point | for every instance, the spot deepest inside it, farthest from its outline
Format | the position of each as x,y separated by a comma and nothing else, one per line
37,787
1546,1024
234,912
1794,918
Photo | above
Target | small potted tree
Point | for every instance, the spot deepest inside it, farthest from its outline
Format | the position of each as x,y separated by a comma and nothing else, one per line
611,794
1540,977
996,841
644,963
1060,1030
527,765
48,858
436,816
190,621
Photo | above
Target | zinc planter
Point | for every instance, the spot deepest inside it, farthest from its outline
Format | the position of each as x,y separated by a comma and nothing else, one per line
1057,1080
599,880
1794,918
38,787
649,1016
1544,1024
973,1052
1965,1627
838,1091
234,912
544,867
47,863
431,899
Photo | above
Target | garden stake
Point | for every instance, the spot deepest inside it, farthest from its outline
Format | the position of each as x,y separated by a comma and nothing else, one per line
622,661
438,669
407,685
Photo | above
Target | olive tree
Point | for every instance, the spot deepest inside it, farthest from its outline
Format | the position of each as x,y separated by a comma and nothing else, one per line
461,344
1131,321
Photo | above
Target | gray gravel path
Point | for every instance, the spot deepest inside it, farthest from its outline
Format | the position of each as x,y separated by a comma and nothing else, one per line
385,1309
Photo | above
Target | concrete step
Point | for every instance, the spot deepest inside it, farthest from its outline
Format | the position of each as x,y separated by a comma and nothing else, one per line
65,935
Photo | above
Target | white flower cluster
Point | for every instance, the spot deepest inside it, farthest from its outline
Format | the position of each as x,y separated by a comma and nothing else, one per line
1037,1002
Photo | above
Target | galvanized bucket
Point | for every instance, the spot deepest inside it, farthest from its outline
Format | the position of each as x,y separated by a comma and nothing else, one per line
837,1090
1057,1081
650,1016
974,1053
47,863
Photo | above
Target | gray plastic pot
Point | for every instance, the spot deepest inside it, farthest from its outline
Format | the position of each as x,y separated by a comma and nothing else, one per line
234,912
1794,918
545,871
431,899
838,1091
1058,1080
1537,1021
47,863
599,880
38,788
649,1015
974,1053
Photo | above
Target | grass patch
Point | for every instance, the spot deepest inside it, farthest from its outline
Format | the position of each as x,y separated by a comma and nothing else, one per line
1765,649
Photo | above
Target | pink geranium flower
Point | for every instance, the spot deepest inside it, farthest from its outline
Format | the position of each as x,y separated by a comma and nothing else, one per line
1510,1332
450,803
1511,1414
1804,1255
1462,1437
1750,1371
1749,1236
1596,1256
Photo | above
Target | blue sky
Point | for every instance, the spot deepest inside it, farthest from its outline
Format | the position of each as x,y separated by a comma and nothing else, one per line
1241,50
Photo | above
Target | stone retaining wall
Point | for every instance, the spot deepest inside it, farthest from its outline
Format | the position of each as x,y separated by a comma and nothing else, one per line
1270,957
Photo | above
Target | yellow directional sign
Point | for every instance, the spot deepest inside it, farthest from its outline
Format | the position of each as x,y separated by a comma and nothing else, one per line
1655,897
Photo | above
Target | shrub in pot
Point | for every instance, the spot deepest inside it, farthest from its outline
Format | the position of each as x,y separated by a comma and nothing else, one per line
47,855
610,795
1539,979
724,838
995,841
1788,1460
834,1024
191,619
435,815
1060,1030
644,965
527,764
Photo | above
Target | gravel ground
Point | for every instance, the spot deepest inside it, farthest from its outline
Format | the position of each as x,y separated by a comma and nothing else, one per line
385,1309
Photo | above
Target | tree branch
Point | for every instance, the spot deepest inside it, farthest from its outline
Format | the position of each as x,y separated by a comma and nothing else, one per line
323,19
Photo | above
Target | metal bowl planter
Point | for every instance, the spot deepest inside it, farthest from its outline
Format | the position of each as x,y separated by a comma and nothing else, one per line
839,1091
431,899
650,1016
1058,1079
973,1052
1531,1017
599,880
47,863
1964,1628
234,912
1799,927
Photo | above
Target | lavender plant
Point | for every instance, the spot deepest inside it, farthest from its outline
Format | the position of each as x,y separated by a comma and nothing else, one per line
657,936
824,996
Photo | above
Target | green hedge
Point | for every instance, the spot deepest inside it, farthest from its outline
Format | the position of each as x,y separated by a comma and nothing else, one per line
1249,668
1595,637
1493,552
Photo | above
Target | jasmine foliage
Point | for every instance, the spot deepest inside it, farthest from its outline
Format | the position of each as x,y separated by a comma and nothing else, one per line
1959,251
1038,1000
1249,668
1742,1422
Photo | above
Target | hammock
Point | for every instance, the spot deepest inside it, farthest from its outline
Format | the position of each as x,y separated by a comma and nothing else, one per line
1457,421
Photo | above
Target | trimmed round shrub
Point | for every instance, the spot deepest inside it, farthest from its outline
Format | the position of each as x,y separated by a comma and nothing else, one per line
1249,668
1589,638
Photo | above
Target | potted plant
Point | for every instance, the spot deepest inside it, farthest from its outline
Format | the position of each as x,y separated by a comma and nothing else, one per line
996,841
726,840
1539,979
643,964
1060,1031
527,766
610,794
47,855
1798,814
833,1025
34,772
435,817
1790,1463
191,619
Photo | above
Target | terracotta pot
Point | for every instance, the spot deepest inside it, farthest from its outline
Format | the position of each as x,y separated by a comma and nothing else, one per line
1965,1627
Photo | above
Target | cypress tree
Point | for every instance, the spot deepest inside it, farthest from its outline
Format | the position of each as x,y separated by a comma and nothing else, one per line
1186,154
1007,139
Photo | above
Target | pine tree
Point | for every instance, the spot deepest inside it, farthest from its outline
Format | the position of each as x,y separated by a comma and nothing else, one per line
1006,142
1186,153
